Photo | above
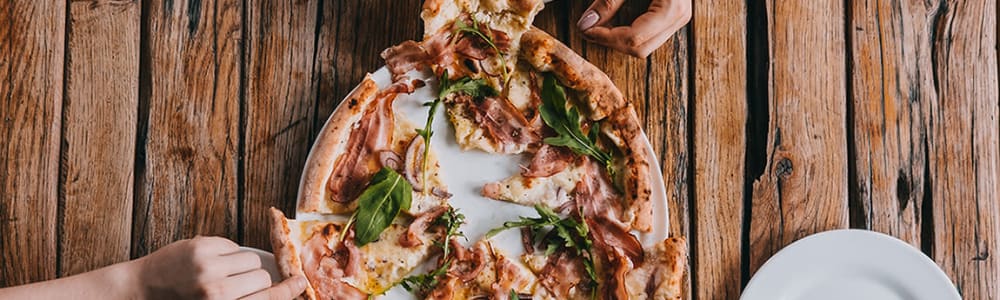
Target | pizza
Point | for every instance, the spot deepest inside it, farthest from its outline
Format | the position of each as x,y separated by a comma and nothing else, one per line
379,214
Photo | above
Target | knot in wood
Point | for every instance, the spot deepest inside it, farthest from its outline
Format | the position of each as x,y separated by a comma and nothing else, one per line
784,167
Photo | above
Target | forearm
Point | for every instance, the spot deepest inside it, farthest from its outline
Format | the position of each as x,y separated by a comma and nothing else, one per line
117,281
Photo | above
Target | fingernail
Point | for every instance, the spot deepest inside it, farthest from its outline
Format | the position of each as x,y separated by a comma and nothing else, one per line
588,20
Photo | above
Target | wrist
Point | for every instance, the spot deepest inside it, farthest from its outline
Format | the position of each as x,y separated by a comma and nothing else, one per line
125,278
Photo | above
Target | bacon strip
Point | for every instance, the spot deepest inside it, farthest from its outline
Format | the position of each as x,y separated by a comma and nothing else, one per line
326,268
373,133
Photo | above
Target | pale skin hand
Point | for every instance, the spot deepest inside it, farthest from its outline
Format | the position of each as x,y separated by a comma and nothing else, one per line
199,268
644,35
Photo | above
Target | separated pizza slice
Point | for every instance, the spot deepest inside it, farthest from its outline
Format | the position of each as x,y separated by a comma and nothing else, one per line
658,276
592,143
361,137
336,268
471,47
481,271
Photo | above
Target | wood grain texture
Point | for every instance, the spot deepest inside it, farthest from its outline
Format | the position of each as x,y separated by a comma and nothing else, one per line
667,127
280,96
627,72
187,182
32,37
343,56
963,148
719,119
99,134
891,80
803,188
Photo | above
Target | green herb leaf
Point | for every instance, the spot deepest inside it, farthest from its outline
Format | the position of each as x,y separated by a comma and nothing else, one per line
473,87
513,295
565,121
380,203
565,233
475,31
425,282
452,220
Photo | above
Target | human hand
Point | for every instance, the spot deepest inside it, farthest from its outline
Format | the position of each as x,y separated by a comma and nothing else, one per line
209,268
644,35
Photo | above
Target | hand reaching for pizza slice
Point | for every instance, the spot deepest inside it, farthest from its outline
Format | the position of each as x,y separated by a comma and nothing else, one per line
198,268
647,32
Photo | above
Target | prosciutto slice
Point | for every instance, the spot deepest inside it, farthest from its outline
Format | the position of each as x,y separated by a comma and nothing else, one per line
501,121
445,51
560,274
595,196
372,134
326,268
411,238
548,160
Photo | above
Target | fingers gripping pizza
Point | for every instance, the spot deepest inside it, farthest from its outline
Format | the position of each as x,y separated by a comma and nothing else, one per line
506,88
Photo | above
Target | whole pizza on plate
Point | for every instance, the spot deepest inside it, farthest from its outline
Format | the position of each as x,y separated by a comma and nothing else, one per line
379,212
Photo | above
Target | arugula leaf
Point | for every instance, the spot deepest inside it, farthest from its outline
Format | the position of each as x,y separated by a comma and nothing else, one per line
513,295
565,233
474,30
476,88
380,203
452,220
566,123
425,282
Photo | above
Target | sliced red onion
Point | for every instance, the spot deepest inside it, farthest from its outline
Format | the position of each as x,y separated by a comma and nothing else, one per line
414,163
390,160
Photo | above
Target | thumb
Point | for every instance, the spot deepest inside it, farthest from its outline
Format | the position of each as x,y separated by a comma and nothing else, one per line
599,13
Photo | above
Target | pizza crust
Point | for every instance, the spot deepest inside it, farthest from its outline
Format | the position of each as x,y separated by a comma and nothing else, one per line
331,142
547,54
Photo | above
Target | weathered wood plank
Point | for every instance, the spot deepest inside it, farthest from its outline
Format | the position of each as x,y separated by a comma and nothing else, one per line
890,81
343,56
803,188
187,179
280,97
627,72
31,91
99,118
720,119
963,153
667,126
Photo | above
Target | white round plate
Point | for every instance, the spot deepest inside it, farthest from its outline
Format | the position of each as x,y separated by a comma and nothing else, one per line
465,172
850,264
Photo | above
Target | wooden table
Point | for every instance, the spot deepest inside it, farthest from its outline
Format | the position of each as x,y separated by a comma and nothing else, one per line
130,124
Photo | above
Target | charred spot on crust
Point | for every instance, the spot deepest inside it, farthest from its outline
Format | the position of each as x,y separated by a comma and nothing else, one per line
352,103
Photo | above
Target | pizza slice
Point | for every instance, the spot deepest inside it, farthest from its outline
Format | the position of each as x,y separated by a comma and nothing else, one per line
579,256
471,47
593,144
361,137
336,268
481,271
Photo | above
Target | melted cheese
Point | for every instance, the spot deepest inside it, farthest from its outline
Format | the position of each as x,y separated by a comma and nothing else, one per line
384,262
549,191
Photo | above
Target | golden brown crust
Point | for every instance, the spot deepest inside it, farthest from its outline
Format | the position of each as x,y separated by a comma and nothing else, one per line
331,142
603,100
547,54
284,250
623,127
